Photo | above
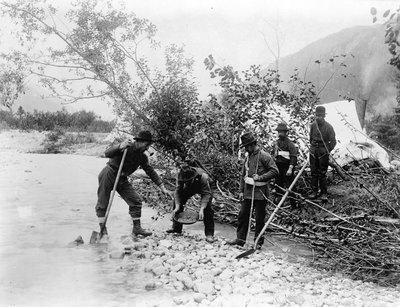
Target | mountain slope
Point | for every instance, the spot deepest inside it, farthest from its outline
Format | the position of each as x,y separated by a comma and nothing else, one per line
363,74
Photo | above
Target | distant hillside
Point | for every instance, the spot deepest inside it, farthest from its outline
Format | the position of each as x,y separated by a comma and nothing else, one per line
368,76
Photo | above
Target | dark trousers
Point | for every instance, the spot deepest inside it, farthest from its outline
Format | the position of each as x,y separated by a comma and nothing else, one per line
106,183
243,219
208,219
319,161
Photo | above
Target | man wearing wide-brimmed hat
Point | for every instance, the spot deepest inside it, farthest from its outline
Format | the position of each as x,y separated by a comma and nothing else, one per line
258,169
285,155
191,181
322,141
135,157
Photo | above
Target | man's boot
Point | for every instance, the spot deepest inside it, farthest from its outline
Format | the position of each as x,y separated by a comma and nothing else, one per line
138,230
210,239
176,228
237,242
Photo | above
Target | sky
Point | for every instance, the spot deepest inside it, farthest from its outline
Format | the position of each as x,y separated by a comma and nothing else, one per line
234,32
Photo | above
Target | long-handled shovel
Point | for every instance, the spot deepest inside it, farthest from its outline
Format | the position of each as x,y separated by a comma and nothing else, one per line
251,251
96,236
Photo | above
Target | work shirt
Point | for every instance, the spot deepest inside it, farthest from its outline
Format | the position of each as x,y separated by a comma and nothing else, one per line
199,185
285,152
134,158
323,133
266,170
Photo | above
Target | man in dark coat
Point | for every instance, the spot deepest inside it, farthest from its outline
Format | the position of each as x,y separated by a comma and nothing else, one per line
192,181
285,154
258,169
322,142
135,157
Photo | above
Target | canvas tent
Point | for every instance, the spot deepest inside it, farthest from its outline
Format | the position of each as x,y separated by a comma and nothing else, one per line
352,141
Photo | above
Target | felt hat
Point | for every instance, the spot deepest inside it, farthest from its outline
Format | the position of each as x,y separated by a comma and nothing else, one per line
282,127
144,136
247,139
186,173
320,110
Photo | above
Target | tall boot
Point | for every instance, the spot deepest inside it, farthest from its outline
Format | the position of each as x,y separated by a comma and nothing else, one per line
138,230
314,187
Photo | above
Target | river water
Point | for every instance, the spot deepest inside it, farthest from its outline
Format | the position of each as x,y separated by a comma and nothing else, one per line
46,202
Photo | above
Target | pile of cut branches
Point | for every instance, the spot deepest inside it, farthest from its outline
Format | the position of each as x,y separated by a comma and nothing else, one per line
356,232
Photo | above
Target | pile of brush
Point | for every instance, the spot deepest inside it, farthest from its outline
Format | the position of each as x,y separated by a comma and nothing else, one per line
357,232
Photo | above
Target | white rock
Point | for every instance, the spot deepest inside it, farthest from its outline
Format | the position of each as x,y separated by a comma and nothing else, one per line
226,274
178,267
117,255
165,243
199,297
160,270
206,288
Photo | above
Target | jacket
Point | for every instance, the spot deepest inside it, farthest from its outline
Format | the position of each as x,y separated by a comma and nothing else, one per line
134,158
199,185
285,152
323,133
267,170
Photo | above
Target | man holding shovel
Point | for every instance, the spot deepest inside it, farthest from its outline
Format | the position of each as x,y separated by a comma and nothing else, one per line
135,157
258,169
191,181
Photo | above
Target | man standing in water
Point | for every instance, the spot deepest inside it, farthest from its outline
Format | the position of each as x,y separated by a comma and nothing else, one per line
258,169
322,141
135,157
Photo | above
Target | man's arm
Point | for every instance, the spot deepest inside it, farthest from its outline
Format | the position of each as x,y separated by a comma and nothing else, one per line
243,173
269,164
332,138
149,170
205,191
113,150
178,193
292,154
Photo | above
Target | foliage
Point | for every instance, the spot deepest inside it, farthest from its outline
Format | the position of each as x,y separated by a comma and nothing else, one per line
385,130
40,120
392,30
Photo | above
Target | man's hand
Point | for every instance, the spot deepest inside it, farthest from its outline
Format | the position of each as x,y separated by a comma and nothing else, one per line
241,196
166,192
289,171
201,214
256,177
177,207
124,145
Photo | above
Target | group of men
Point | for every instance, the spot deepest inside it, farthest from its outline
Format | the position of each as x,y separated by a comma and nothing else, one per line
258,169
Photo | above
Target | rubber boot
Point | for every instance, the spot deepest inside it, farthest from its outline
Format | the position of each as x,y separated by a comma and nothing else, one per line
138,230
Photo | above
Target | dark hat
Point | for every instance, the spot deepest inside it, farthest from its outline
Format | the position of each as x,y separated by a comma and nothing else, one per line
144,136
282,127
320,110
186,173
247,138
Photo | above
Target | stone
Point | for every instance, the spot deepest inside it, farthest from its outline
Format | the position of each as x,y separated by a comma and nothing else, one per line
117,255
226,274
206,288
216,271
165,243
150,286
297,299
199,297
160,270
178,267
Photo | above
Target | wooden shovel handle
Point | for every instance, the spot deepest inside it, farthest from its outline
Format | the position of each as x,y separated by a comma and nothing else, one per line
280,203
110,201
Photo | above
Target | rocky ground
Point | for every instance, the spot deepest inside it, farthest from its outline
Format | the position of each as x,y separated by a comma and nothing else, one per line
196,273
48,200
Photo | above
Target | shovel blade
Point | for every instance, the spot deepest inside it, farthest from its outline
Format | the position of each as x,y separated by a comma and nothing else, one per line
94,238
246,253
